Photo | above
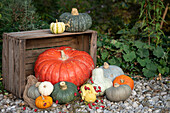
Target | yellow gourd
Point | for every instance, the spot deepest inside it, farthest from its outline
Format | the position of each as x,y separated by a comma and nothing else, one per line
88,93
58,27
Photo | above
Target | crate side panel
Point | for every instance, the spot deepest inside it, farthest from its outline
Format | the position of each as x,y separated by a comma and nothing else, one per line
22,76
11,65
5,61
93,46
86,44
49,42
16,67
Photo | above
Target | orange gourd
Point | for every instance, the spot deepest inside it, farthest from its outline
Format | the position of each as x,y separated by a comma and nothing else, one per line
43,102
123,79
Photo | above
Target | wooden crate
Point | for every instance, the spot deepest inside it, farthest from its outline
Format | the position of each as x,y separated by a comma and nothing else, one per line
21,49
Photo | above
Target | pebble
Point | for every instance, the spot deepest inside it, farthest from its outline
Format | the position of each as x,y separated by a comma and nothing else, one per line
148,96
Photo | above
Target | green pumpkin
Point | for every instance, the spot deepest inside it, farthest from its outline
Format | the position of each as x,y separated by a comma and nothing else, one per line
75,21
64,92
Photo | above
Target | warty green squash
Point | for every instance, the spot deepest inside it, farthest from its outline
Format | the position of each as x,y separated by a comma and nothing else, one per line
76,21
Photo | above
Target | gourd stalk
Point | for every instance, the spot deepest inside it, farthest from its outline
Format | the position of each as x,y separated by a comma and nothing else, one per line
63,85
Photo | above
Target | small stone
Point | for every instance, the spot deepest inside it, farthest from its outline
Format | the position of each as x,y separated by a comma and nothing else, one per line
135,104
163,93
2,110
157,111
54,105
148,94
150,110
133,92
156,98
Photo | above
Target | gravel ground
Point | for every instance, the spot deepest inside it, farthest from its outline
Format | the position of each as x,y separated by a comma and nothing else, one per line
148,96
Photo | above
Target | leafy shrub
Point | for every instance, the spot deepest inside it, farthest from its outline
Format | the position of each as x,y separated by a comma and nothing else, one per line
134,57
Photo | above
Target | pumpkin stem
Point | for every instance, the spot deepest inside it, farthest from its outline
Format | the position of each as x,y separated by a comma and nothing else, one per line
74,11
42,97
122,81
63,55
63,85
56,21
116,85
37,84
106,65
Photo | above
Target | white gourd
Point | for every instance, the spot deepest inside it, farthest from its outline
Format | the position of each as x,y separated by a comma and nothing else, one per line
45,88
58,27
99,80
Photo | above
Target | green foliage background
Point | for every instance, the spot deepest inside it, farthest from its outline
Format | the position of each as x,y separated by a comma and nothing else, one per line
121,34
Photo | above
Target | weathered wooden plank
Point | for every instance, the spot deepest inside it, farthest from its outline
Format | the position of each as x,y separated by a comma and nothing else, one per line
22,76
29,66
11,64
93,46
29,72
48,34
34,53
5,61
50,42
16,67
86,44
80,42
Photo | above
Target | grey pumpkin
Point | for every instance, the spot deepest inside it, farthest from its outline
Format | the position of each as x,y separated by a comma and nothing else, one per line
33,91
111,71
118,92
75,21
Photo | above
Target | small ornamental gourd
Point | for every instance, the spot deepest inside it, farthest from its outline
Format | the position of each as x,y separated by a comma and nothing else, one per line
64,64
88,93
100,82
33,91
77,21
123,79
118,92
111,71
58,27
45,88
64,92
43,102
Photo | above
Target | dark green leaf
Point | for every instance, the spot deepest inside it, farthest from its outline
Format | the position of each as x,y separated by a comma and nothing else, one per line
158,52
151,66
139,44
147,73
142,52
104,55
129,56
99,43
112,61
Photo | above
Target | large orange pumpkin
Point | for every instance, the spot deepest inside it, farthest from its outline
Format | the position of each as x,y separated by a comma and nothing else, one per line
123,79
64,64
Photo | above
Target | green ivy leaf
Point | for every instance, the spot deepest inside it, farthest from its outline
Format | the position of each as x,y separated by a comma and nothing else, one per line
158,52
104,55
129,56
161,70
99,43
151,66
142,62
112,61
126,48
147,73
122,31
142,52
118,44
0,16
138,44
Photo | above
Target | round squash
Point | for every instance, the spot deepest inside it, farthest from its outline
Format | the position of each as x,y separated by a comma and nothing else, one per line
64,92
43,102
100,82
45,88
118,93
111,71
64,64
88,93
123,79
33,92
58,27
77,21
